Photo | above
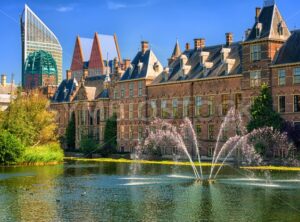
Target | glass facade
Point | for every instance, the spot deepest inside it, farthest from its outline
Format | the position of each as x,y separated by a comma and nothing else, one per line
37,36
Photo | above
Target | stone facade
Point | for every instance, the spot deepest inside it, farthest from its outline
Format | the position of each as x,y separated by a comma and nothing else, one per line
201,83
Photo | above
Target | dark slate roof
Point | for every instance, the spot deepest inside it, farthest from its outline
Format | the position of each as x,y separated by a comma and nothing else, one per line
198,71
65,90
177,50
269,19
133,72
147,60
104,94
290,51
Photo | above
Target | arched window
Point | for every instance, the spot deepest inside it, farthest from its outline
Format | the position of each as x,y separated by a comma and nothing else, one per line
98,117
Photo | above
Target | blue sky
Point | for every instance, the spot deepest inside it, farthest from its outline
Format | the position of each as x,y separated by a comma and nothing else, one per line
158,21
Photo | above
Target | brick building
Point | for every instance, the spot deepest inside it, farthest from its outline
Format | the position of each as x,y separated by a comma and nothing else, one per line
202,83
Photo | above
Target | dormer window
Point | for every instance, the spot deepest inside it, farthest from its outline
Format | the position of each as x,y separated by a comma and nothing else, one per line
280,28
140,66
258,29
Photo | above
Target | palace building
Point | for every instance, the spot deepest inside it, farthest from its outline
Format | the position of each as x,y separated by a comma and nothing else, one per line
201,82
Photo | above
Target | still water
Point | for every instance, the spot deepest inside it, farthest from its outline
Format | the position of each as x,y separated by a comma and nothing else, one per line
128,192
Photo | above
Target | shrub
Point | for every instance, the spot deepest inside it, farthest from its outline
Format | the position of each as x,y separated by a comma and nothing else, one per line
43,154
110,132
71,132
88,145
11,148
262,112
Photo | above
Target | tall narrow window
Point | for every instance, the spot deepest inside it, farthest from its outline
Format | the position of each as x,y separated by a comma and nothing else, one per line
198,130
238,100
296,103
140,110
131,132
198,105
186,104
164,111
255,79
255,52
91,118
131,86
210,132
122,111
175,108
153,108
140,88
116,93
122,132
130,111
122,91
140,132
296,75
210,105
98,117
281,105
281,77
225,104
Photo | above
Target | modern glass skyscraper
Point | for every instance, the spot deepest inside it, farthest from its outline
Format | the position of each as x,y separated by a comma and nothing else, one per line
37,36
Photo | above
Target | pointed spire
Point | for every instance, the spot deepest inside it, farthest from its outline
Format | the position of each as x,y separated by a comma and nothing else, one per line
177,51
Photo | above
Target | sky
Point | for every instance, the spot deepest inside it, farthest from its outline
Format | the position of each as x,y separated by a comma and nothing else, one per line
160,22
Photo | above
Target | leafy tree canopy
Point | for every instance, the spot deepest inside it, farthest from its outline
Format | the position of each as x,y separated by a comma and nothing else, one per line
262,112
30,120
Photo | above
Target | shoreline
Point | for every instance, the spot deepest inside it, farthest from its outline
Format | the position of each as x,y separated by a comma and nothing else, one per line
167,162
54,163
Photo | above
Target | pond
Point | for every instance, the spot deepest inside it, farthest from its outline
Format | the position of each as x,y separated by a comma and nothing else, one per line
77,191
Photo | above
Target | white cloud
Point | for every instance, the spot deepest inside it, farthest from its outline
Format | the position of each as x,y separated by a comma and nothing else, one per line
65,8
113,5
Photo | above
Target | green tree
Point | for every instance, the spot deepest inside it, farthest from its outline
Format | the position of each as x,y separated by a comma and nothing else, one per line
88,145
262,112
110,132
28,118
11,148
71,132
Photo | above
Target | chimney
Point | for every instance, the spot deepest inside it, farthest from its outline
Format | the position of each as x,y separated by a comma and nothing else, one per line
145,46
229,38
257,13
187,46
126,63
199,43
3,80
69,74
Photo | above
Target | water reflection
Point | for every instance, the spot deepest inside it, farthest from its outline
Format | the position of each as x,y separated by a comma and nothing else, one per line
123,192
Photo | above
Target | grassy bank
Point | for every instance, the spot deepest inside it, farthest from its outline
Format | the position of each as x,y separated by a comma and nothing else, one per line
110,160
41,155
273,168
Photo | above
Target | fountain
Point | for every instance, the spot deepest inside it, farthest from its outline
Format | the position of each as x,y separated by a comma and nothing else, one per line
162,135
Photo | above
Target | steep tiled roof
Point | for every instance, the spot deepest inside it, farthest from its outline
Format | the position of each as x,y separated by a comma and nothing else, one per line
290,51
108,47
86,47
177,50
268,22
143,66
65,90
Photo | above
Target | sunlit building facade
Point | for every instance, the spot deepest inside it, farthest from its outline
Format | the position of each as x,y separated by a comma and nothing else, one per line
37,36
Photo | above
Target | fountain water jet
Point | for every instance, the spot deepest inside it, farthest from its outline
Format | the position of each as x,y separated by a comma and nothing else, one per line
166,135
